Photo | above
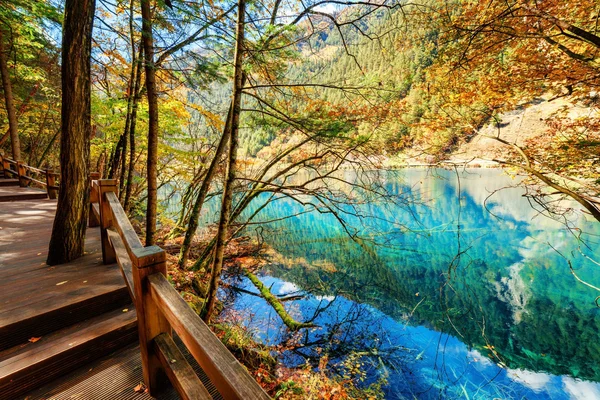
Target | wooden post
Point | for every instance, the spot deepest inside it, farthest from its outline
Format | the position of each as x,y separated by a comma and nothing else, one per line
106,185
2,173
93,221
22,174
151,322
6,167
51,184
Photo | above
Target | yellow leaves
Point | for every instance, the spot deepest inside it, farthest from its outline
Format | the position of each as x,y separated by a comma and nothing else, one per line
115,54
212,119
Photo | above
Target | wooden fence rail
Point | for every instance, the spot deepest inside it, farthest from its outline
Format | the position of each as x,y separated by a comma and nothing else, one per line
161,310
28,175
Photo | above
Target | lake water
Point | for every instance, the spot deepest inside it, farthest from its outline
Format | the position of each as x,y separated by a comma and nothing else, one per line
462,292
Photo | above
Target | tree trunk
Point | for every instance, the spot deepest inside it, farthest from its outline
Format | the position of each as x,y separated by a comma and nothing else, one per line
152,122
231,164
115,160
9,101
137,92
68,233
193,220
136,100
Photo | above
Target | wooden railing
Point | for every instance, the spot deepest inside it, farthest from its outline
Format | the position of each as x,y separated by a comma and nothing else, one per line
27,175
161,310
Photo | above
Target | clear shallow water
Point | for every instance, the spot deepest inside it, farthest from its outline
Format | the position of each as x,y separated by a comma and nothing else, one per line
454,300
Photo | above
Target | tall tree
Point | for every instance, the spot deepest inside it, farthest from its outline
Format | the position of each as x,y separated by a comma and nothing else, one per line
9,100
238,83
68,233
151,94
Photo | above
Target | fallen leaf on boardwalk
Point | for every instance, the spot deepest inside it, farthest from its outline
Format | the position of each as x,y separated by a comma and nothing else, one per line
39,254
61,283
140,388
125,309
34,339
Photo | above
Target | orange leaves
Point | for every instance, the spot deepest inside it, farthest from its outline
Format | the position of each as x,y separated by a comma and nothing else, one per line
569,146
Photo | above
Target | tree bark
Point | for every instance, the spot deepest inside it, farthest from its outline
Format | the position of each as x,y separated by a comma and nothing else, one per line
136,100
9,101
68,233
231,164
152,122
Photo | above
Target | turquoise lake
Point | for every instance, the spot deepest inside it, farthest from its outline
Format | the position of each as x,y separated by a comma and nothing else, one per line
460,288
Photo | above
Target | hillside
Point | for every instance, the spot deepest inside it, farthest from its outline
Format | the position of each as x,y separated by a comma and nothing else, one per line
524,123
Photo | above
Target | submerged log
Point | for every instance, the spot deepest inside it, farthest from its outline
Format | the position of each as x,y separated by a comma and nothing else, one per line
274,302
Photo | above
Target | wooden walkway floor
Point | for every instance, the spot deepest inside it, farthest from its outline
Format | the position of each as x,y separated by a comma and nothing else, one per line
64,327
15,193
30,289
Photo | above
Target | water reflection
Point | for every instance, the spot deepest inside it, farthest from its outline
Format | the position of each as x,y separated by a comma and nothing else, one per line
454,300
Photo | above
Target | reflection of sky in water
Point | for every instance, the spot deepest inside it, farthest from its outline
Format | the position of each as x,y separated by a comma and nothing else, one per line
433,364
509,282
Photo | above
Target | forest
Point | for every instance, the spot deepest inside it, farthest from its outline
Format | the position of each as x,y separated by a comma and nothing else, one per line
320,145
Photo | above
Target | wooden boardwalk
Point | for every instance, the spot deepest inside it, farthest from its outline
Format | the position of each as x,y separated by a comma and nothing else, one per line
72,330
56,319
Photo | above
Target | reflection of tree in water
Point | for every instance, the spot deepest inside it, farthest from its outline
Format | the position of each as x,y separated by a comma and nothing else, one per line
345,330
494,283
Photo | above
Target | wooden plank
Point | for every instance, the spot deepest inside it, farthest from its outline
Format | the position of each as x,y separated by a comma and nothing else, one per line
96,210
50,345
72,288
41,320
23,196
9,182
123,226
36,170
180,373
228,375
111,378
30,366
122,259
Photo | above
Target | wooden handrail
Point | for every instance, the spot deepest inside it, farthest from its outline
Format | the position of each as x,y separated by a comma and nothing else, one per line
122,259
48,181
160,309
229,376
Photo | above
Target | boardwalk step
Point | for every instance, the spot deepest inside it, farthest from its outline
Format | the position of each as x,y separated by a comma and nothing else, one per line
50,307
23,197
9,182
27,366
